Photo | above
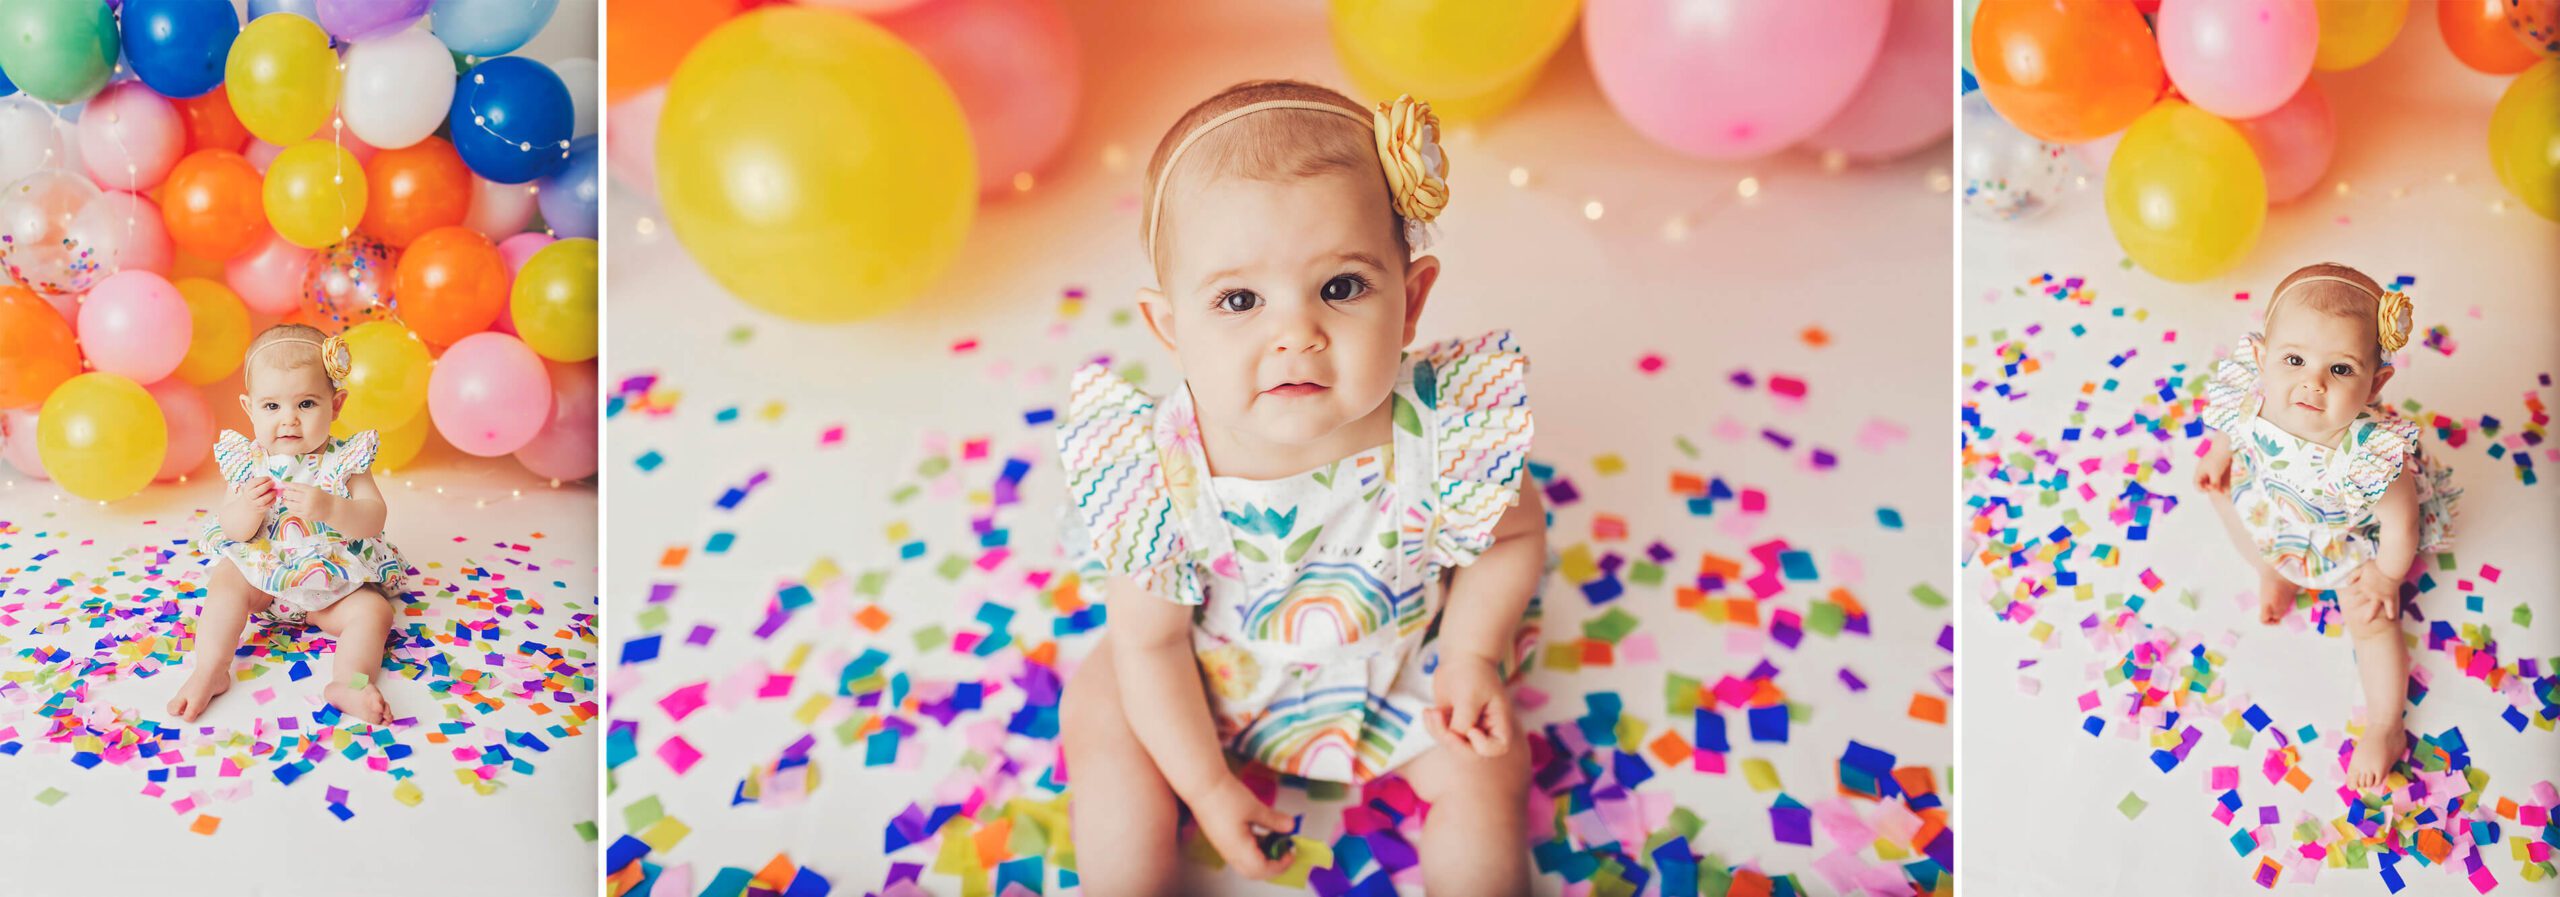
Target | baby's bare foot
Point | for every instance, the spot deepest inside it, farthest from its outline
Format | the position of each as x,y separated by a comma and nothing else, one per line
362,703
2374,755
197,694
2275,596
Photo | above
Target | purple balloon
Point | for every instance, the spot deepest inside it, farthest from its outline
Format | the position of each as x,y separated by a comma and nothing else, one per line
355,20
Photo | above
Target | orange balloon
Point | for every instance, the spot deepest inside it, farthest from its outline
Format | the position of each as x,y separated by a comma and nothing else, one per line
415,189
210,122
451,284
2066,71
648,37
2477,31
213,204
37,352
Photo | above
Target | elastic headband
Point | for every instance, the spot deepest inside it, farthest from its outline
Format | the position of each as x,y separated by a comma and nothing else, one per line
1408,151
334,357
2391,310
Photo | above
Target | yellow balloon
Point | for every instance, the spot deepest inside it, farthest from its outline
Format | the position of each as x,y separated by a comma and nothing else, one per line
221,334
386,376
2185,195
399,445
1467,59
814,165
101,436
555,300
2524,138
282,78
315,194
2353,32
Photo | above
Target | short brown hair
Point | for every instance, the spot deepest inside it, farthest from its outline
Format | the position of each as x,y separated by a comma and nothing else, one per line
285,358
2359,298
1280,143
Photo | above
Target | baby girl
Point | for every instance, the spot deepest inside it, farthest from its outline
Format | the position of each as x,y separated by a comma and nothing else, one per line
2321,487
1321,553
299,541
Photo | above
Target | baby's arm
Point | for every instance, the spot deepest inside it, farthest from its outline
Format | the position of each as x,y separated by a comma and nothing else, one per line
2376,588
1168,710
358,516
244,516
1487,598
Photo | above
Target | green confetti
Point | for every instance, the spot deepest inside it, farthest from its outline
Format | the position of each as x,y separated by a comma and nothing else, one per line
51,796
1928,596
1611,627
2132,805
586,831
360,681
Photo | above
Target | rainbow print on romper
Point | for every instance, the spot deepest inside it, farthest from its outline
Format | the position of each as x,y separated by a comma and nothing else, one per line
1330,603
1326,733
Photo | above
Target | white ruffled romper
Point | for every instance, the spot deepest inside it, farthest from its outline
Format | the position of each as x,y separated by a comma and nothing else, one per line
303,563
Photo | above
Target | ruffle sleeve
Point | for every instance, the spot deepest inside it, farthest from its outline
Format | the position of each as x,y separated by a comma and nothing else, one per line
1116,485
2234,384
1470,399
351,456
236,455
2378,458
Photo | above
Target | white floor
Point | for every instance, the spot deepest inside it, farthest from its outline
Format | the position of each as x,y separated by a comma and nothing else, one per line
2040,813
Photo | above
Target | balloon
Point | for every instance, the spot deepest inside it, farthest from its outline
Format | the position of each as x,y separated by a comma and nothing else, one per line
1731,79
511,118
315,194
1014,67
866,7
489,395
2353,32
414,190
2294,143
565,447
101,436
2477,32
648,37
351,283
1964,36
269,276
490,27
2537,24
451,283
29,141
189,423
220,331
631,141
18,443
397,446
580,76
127,229
520,248
363,20
398,88
2066,71
216,207
283,78
2238,58
2184,193
263,155
2524,138
44,248
569,197
1468,59
498,210
1901,106
129,137
177,46
309,9
387,375
60,51
555,301
2008,175
37,349
774,98
135,324
211,124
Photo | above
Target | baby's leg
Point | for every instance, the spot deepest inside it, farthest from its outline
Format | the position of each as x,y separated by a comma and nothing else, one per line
359,622
2382,661
1125,818
1475,835
228,602
2276,594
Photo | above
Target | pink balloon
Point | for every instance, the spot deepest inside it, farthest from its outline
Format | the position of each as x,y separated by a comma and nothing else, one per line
864,7
190,421
269,278
1013,65
130,137
262,154
135,324
515,250
130,224
2097,153
1731,79
489,395
566,447
1903,105
18,442
631,140
499,211
2238,58
2294,143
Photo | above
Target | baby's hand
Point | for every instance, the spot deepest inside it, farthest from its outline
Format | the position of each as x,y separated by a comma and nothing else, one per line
2213,471
308,500
1472,709
1228,816
2372,594
256,496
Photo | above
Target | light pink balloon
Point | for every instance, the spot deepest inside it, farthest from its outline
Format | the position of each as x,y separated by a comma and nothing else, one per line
566,447
130,137
130,225
18,442
515,250
1903,104
631,141
863,7
190,421
269,278
2095,154
499,211
489,395
1731,79
262,154
2238,58
1013,65
135,324
2294,143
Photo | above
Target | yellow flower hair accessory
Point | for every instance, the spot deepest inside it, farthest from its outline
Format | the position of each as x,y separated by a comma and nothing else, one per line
1409,146
2394,318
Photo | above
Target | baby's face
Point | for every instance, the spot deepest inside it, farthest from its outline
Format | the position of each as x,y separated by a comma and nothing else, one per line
290,408
2319,372
1287,303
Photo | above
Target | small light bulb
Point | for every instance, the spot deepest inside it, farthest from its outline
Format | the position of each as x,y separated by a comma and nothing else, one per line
1591,210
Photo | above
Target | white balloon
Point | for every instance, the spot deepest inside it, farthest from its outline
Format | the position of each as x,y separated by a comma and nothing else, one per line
499,211
398,88
29,142
580,75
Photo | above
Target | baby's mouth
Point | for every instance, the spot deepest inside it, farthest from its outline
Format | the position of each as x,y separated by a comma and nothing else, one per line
1289,390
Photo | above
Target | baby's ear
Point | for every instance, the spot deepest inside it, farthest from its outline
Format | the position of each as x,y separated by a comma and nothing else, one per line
2379,379
244,403
1419,275
1159,315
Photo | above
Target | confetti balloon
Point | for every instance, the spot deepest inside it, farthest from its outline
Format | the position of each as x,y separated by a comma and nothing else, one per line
2185,195
2478,33
1468,59
40,245
387,375
2537,23
555,301
350,283
2008,175
2524,138
220,331
37,348
101,436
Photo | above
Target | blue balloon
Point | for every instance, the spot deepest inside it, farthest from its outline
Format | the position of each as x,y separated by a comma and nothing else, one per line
6,86
510,120
488,27
178,46
568,196
309,9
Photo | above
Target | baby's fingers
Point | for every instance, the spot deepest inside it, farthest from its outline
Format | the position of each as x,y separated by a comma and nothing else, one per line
1436,721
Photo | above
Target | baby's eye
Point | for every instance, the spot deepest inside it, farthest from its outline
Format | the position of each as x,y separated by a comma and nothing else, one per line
2292,360
1345,287
2342,369
271,406
1238,301
308,404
